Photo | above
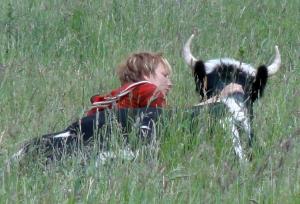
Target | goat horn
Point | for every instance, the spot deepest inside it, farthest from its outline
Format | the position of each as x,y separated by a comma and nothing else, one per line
274,67
186,52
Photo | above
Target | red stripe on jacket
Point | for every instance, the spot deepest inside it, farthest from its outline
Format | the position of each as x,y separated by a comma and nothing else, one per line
142,95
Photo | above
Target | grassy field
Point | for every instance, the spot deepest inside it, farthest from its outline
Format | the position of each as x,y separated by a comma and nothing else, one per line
55,54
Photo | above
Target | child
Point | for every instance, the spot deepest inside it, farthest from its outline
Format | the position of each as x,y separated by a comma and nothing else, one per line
145,83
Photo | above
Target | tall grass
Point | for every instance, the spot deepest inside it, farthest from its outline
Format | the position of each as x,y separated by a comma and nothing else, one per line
55,54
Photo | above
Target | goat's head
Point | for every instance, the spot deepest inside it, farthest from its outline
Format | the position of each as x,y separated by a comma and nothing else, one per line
213,75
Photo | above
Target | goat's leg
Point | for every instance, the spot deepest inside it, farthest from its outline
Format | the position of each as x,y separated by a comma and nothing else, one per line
239,120
251,134
246,124
243,121
236,140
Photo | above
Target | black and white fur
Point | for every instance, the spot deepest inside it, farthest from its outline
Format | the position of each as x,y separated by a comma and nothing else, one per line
213,75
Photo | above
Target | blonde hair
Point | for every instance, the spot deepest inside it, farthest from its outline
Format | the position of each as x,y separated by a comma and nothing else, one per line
139,65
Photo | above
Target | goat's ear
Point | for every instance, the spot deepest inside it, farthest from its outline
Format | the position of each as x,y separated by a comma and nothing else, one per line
260,82
199,76
199,69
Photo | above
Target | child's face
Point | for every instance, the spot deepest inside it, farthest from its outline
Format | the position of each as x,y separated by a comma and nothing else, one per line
161,78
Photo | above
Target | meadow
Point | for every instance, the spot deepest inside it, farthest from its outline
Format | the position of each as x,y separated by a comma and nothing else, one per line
55,54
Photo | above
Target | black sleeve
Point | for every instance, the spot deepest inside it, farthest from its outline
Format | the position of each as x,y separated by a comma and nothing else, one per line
85,130
146,120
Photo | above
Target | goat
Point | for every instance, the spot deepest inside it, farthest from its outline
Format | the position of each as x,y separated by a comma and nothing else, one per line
213,75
